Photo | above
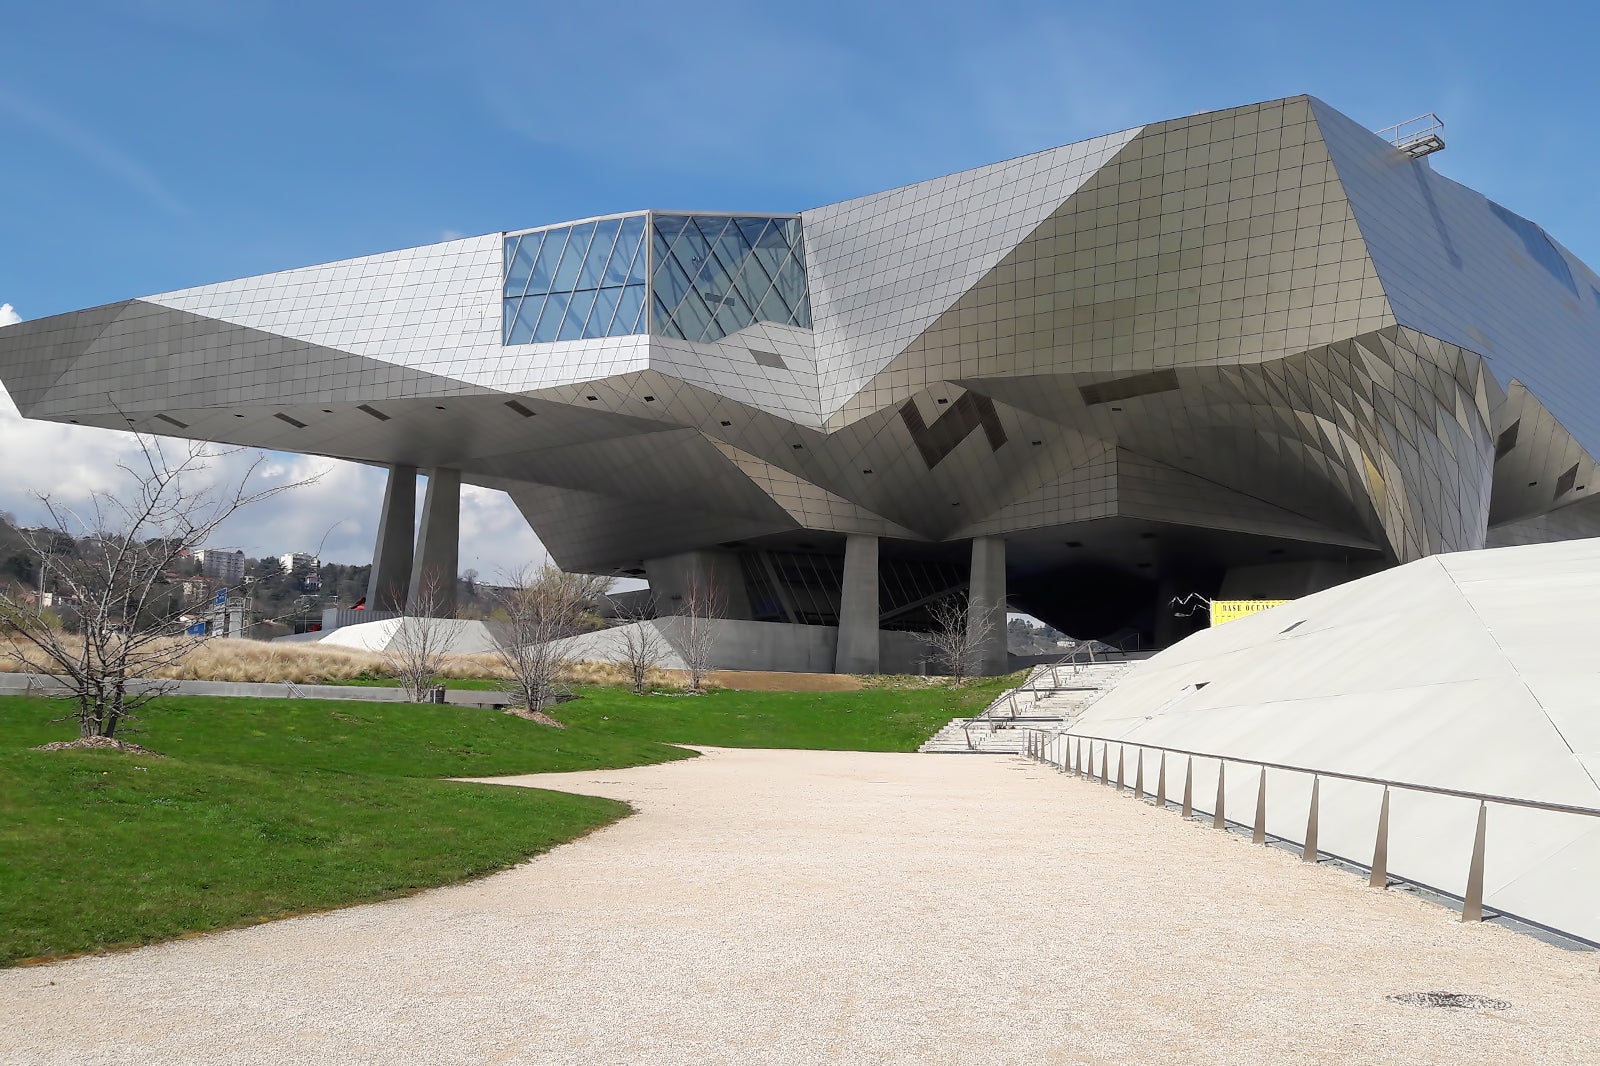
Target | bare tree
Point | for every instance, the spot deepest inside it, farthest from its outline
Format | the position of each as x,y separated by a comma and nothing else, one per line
959,633
643,647
703,604
124,542
423,640
543,606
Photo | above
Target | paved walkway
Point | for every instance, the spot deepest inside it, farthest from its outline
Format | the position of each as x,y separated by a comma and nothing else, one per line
839,907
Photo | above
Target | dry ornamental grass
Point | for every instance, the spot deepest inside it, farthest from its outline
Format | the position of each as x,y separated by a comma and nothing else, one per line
309,664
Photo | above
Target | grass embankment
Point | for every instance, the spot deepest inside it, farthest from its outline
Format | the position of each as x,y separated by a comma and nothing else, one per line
883,717
267,808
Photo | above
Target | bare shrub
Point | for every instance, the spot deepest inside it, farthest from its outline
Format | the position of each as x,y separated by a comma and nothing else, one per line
703,604
543,606
959,633
120,544
643,648
422,639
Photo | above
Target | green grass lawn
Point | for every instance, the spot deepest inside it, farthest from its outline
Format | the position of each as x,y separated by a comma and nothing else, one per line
269,807
870,719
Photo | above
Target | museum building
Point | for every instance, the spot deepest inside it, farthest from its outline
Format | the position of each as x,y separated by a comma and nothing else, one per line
1248,353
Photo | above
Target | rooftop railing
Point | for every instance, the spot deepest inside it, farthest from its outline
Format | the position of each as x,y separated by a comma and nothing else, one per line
1416,137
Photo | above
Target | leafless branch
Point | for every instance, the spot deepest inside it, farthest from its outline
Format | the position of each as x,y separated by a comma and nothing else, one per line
543,605
108,559
703,604
959,632
423,640
643,647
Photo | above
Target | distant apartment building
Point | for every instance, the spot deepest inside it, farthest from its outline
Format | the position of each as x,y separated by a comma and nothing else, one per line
221,566
306,569
299,562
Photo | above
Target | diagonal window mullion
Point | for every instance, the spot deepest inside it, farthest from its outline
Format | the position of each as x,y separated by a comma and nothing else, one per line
731,251
591,272
761,279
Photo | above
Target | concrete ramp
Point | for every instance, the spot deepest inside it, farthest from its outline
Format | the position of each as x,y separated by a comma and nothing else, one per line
1477,671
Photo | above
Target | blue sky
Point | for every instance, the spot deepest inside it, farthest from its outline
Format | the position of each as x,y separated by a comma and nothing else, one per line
149,145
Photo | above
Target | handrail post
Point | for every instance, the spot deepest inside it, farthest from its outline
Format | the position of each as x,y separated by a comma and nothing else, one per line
1161,782
1188,788
1472,903
1082,772
1218,819
1121,752
1309,852
1138,777
1259,834
1380,846
1105,763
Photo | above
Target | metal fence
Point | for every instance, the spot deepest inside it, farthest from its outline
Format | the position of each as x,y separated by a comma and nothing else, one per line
1075,754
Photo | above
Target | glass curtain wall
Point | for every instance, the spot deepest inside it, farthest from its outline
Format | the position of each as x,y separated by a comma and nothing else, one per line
713,275
717,274
576,282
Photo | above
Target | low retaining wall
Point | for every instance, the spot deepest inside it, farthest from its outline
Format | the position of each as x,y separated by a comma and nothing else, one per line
48,684
746,645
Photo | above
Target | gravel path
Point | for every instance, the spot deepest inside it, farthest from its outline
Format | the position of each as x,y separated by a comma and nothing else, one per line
817,907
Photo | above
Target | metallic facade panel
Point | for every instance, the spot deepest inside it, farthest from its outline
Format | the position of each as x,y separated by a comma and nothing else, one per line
1203,350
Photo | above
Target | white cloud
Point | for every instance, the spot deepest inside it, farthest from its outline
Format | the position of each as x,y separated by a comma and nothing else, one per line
8,315
339,512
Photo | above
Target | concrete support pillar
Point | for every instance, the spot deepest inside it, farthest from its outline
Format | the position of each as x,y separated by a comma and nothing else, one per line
438,546
391,555
858,608
671,577
986,607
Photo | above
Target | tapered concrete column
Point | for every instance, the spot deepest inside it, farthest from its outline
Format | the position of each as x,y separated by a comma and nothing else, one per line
391,555
986,599
858,609
438,546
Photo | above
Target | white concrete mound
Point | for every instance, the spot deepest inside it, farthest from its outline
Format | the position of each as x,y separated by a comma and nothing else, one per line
1477,671
457,637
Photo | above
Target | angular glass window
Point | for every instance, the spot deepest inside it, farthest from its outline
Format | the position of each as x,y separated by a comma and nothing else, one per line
544,267
527,317
550,320
577,314
569,282
630,316
696,277
566,276
627,260
520,266
605,306
594,264
718,274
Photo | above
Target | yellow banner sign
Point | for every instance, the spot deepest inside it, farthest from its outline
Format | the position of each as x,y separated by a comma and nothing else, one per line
1229,610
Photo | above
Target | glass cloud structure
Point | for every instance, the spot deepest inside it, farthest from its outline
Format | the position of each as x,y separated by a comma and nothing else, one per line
1252,352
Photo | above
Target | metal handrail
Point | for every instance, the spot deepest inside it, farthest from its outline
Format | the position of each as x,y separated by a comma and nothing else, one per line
1412,129
1440,790
1041,747
1008,698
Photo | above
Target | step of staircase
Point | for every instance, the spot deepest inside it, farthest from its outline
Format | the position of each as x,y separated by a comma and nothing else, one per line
1051,699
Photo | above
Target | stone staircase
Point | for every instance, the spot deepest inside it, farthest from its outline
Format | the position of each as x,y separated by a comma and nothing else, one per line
1052,697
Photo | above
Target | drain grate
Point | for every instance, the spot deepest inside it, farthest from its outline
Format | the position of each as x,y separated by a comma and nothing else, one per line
1456,1000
